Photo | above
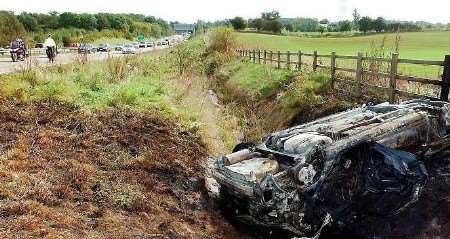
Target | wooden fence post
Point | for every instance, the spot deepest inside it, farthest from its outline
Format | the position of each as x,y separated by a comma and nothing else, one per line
315,61
249,53
393,78
259,56
271,58
265,57
359,74
254,56
299,62
333,69
279,60
445,79
288,59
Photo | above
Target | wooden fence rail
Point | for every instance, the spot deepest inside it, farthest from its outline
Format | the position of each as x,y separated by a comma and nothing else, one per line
270,57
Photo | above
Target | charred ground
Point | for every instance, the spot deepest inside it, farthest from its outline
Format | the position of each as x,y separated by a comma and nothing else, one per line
103,174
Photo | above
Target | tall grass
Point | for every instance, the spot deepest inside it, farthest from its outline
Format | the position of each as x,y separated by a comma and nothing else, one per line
122,81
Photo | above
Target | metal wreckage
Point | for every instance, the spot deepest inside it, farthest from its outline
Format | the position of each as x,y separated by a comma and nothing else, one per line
344,170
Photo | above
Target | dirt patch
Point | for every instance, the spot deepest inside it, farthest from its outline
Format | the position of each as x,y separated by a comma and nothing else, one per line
110,174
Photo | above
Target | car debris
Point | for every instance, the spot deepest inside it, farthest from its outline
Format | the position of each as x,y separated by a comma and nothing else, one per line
345,171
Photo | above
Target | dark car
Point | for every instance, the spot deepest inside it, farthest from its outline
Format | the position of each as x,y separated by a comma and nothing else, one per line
351,170
142,45
119,47
86,48
103,48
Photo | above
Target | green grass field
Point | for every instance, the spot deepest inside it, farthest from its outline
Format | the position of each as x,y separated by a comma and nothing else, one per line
416,45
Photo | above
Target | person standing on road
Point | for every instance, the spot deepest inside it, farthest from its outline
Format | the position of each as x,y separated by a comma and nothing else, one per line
50,46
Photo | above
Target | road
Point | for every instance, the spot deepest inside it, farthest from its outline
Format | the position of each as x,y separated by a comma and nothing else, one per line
7,66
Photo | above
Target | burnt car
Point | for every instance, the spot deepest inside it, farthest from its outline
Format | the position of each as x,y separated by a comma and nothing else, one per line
345,171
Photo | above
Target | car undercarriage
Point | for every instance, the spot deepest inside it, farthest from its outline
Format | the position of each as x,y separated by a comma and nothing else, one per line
346,171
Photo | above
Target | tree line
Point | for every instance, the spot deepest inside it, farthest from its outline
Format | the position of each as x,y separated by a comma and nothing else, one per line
71,27
272,22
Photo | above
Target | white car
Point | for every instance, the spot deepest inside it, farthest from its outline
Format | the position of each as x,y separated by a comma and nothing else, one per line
129,49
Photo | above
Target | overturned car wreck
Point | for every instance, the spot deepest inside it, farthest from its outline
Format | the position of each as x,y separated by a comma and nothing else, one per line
343,171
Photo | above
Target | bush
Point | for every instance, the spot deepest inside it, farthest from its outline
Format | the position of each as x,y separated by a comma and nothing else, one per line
187,57
222,40
10,27
67,40
238,23
305,93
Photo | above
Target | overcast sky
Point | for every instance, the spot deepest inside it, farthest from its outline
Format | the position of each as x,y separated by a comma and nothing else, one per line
192,10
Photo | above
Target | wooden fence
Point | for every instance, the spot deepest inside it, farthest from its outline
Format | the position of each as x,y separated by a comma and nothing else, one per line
294,60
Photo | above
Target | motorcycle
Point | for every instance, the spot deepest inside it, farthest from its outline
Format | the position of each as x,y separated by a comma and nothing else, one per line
51,54
18,54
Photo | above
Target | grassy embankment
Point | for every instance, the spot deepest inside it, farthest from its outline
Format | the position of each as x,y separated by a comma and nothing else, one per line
417,45
268,99
92,150
141,83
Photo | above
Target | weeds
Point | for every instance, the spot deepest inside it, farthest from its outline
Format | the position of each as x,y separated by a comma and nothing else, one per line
259,82
187,57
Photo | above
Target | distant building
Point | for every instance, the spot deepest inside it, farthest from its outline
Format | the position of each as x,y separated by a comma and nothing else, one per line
324,23
183,28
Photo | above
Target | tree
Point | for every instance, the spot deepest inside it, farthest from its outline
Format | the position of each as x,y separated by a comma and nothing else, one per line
119,23
103,21
200,27
332,27
270,16
87,21
29,22
356,18
305,25
365,24
151,19
321,29
344,26
67,40
257,24
379,24
142,28
274,26
238,23
289,27
10,27
68,19
157,31
48,21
